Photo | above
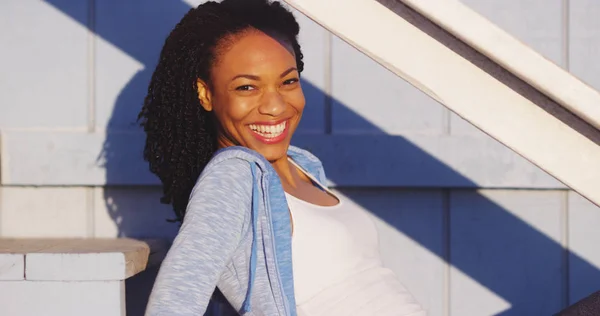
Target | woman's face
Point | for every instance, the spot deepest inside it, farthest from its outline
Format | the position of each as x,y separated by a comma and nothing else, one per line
255,94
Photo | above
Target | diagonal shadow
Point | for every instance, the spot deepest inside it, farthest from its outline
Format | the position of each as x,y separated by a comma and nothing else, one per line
487,242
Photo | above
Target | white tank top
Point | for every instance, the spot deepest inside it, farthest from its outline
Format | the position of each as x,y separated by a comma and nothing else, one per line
336,263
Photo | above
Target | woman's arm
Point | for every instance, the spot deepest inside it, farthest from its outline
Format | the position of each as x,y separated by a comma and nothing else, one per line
212,230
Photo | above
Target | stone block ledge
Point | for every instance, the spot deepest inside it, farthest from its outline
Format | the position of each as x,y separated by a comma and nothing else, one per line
93,259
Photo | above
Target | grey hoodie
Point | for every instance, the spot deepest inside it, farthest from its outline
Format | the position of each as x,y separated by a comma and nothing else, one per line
236,235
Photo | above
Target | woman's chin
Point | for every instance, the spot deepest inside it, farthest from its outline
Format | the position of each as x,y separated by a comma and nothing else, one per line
274,152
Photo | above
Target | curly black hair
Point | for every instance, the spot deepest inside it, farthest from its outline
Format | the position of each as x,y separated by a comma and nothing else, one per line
181,137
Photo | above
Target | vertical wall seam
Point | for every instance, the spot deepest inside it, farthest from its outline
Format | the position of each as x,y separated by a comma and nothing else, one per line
91,107
1,208
91,65
90,211
446,121
565,248
566,36
446,250
328,115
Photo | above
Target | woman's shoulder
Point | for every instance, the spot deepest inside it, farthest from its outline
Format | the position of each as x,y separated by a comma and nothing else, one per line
222,188
308,161
226,171
227,168
233,160
235,155
298,153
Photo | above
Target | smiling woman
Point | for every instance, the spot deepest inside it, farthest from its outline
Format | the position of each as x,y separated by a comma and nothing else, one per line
256,97
221,109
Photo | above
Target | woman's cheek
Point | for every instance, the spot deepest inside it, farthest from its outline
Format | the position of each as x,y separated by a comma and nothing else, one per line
240,108
299,101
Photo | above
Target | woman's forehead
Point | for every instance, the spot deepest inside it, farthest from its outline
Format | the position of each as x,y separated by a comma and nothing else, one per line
255,51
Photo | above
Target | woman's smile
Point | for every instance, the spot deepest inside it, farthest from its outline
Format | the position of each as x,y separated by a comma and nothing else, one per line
270,132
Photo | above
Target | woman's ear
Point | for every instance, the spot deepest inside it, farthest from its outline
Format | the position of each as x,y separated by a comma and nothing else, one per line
204,95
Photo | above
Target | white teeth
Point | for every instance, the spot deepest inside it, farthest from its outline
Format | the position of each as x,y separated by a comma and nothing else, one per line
268,131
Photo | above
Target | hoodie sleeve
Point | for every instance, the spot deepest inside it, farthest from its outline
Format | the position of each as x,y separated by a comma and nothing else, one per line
215,222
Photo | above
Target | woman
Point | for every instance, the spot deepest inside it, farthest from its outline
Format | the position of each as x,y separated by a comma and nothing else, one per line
222,106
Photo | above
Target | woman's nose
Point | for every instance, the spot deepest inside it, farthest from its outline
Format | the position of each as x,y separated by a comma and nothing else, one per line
273,104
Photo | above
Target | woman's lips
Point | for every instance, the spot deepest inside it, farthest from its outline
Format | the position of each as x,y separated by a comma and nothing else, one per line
270,133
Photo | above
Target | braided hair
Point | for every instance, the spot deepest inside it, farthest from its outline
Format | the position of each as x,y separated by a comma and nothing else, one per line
181,137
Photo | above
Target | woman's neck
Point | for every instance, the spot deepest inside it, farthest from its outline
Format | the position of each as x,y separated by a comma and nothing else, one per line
286,171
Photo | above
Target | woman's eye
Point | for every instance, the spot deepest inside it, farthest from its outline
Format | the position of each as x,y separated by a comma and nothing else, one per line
291,81
245,88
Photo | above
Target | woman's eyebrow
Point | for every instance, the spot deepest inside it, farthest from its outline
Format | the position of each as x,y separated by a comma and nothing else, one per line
285,73
257,78
251,77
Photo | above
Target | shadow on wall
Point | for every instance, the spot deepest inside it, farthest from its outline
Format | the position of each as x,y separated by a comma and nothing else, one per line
139,28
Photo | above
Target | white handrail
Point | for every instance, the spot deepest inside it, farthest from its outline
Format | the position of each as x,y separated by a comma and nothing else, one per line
468,90
522,61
